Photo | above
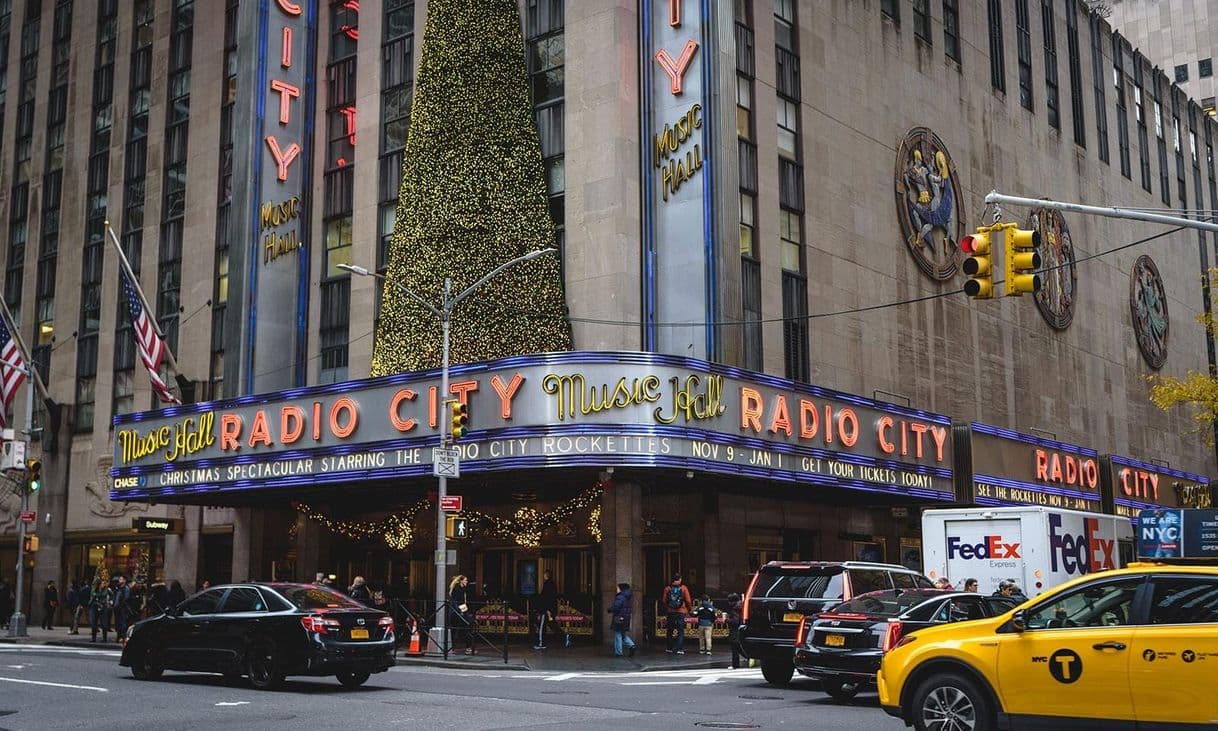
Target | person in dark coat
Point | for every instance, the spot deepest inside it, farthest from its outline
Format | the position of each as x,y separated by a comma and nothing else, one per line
76,597
101,606
461,616
622,610
50,603
359,591
735,609
158,599
547,608
6,603
177,594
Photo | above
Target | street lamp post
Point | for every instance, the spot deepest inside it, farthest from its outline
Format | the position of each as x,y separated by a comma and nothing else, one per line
444,313
17,623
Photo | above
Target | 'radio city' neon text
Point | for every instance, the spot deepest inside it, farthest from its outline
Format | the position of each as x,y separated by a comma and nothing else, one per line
991,547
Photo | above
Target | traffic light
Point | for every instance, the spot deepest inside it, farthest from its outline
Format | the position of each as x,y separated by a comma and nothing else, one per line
979,264
1022,260
459,419
33,474
456,527
31,544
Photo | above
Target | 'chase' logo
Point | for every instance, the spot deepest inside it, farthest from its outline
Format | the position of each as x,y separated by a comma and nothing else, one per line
990,547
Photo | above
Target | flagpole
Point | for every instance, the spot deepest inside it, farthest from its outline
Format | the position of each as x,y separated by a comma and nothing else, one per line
139,292
25,353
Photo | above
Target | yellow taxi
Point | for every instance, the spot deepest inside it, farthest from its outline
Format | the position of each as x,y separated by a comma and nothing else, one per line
1135,648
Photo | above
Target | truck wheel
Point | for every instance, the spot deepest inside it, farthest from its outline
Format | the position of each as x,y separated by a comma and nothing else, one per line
840,690
951,702
777,672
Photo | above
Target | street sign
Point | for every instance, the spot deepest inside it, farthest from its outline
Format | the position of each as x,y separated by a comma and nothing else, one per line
446,557
28,516
446,462
451,503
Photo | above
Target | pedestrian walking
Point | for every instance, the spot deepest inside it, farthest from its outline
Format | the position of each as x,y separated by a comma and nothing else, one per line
6,603
706,614
734,609
76,598
359,591
461,619
101,605
50,603
547,607
122,608
677,603
622,610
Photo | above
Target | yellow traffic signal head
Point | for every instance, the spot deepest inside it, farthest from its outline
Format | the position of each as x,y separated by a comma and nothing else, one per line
1021,260
459,419
33,472
978,266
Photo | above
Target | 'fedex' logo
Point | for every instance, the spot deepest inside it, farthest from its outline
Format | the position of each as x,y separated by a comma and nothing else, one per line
990,547
1080,553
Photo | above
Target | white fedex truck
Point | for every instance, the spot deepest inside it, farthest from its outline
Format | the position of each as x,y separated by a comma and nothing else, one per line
1037,547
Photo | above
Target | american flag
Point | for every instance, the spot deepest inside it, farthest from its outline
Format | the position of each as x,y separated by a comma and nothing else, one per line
151,347
12,370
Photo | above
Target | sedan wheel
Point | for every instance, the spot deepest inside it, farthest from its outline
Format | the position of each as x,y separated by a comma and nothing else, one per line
353,679
263,668
951,703
145,667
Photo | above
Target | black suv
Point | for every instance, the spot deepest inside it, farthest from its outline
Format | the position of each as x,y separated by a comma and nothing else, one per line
783,592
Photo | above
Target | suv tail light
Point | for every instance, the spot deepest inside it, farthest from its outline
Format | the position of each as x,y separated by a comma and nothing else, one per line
317,623
748,597
893,635
800,633
385,622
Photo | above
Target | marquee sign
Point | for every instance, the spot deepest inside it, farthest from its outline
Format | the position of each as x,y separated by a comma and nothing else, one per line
1136,486
1010,468
549,410
678,232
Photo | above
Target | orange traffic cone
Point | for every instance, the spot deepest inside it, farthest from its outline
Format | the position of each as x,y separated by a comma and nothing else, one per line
414,648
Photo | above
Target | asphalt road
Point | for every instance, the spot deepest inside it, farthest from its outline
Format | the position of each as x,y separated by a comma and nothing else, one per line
58,688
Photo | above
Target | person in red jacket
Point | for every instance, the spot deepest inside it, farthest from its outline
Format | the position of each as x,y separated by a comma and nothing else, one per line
677,603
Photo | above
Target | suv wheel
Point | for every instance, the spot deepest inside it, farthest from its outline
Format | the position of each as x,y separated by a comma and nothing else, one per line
777,672
951,702
352,678
840,690
263,668
145,667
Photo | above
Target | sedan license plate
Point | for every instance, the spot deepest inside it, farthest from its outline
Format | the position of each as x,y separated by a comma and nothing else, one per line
835,640
792,617
359,634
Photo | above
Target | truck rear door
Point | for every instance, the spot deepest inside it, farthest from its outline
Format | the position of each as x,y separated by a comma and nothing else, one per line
986,550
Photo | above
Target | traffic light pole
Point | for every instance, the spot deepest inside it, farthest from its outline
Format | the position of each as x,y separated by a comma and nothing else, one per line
17,623
998,199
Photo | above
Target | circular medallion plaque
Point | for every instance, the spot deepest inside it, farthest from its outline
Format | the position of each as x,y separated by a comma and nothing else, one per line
1058,276
928,200
1148,308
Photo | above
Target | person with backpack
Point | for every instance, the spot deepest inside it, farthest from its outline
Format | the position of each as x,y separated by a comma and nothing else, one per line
101,604
622,610
677,603
706,614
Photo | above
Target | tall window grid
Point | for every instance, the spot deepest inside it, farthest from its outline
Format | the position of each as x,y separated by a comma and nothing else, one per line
1052,100
1023,37
1076,75
135,164
224,203
1140,115
1098,80
921,19
96,185
951,29
1120,82
545,42
173,209
338,189
998,73
397,89
6,25
750,259
796,355
19,225
1160,82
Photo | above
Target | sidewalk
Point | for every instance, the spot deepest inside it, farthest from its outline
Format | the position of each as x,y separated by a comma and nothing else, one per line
583,657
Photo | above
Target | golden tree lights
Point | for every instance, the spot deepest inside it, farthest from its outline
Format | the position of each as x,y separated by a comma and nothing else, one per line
473,195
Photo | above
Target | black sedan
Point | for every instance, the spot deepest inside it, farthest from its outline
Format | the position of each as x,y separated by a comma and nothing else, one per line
842,647
265,632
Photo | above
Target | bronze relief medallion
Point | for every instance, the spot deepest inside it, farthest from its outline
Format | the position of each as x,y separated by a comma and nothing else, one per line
928,196
1148,309
1058,276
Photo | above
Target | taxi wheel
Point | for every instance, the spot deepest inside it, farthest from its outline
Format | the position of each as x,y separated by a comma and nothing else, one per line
263,668
951,702
353,679
777,672
145,667
840,690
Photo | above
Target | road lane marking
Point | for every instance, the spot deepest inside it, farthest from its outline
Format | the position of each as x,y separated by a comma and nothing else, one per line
53,685
564,676
233,703
15,649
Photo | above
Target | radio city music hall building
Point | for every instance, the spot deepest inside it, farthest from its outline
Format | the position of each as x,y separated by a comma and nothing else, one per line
735,184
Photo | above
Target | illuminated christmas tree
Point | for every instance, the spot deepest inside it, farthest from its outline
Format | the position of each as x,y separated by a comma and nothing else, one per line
473,196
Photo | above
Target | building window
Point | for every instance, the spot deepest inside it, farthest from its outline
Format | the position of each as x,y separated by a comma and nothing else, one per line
335,317
1023,36
748,225
224,197
173,209
891,8
784,24
1182,73
744,107
546,45
750,285
788,128
790,235
1099,80
1207,106
14,280
397,91
921,19
1205,68
1076,76
951,29
795,326
998,73
1050,36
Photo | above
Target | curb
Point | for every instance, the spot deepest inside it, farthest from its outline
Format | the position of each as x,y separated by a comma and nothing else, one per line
457,664
81,644
440,662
